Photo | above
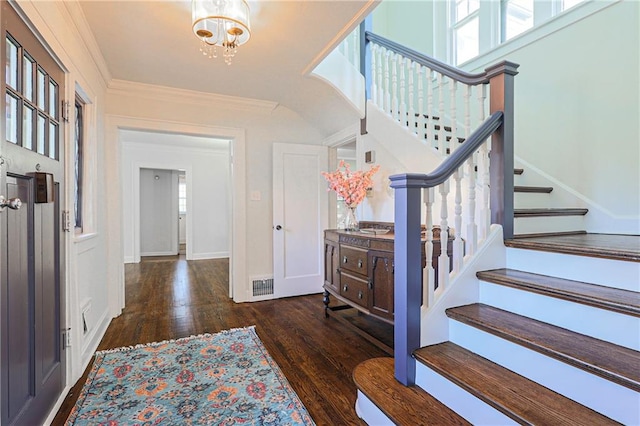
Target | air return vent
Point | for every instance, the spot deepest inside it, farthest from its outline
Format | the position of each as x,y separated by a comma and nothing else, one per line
262,286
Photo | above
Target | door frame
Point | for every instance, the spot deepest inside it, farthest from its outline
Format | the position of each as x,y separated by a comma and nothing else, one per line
238,289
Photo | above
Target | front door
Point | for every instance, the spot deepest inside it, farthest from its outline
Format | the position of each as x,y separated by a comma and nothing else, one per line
300,214
31,169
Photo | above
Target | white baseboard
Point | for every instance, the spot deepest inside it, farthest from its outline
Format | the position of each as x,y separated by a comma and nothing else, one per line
90,346
214,255
159,253
129,259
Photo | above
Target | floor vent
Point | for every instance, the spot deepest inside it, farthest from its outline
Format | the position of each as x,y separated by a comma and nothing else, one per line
262,287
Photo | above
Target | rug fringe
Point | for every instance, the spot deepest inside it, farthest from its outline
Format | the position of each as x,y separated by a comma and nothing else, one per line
181,339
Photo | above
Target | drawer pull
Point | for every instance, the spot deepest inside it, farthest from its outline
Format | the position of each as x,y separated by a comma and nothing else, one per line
359,263
344,259
337,270
345,288
370,284
359,295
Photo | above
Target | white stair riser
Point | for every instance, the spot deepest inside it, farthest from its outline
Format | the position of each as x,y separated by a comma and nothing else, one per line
617,328
533,200
459,400
370,413
607,272
537,224
604,396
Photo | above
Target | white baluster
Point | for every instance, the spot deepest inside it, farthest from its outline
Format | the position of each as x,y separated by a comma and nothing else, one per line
380,99
387,81
402,109
483,171
441,135
345,48
374,75
394,86
458,244
428,275
420,121
412,111
453,142
355,35
443,259
472,228
429,122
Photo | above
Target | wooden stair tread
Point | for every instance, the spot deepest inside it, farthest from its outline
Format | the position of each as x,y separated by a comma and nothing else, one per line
550,212
612,362
518,171
533,189
403,405
613,299
550,234
608,246
517,397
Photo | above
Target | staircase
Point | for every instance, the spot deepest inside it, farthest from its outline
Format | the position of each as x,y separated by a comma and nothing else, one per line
535,349
538,321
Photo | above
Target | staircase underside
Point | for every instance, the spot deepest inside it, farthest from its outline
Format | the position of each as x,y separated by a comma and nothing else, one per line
608,246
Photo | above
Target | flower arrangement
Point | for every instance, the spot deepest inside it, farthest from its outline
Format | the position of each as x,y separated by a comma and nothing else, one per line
351,186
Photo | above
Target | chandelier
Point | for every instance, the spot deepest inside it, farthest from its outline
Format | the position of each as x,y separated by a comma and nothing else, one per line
221,23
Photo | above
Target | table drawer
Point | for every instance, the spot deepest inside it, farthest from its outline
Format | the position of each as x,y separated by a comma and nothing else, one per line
353,259
354,289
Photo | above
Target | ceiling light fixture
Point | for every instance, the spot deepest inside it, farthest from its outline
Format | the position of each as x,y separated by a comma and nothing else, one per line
221,23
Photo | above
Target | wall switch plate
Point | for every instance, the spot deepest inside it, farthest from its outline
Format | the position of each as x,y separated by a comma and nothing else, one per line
255,196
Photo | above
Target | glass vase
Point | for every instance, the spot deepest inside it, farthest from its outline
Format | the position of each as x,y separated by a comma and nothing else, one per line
350,220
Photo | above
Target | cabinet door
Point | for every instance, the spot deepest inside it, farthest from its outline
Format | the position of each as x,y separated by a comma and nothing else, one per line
381,275
331,265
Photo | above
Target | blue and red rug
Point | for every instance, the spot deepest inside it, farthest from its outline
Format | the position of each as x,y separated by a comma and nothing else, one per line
226,378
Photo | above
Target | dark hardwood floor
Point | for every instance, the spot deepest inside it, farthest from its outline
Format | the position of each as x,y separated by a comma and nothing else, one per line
173,298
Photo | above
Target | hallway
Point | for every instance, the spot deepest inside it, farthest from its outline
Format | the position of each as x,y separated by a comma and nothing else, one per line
172,298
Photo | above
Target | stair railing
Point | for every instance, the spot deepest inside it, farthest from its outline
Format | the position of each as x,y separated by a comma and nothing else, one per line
422,94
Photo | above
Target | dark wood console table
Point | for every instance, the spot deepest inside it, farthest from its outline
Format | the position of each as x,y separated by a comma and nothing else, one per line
359,270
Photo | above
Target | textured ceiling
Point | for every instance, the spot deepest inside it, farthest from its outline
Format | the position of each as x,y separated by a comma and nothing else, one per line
152,42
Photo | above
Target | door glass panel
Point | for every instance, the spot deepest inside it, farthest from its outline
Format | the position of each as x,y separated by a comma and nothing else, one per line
53,99
42,88
42,127
12,64
27,127
12,119
27,71
53,139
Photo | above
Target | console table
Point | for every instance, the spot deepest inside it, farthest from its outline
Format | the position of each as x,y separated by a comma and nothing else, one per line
359,268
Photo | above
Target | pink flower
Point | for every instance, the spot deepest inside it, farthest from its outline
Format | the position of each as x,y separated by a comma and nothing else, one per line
351,186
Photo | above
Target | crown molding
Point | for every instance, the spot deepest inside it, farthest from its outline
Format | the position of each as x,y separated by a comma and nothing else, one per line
75,15
341,35
175,95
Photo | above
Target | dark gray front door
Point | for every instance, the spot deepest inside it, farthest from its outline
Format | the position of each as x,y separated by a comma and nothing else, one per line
31,347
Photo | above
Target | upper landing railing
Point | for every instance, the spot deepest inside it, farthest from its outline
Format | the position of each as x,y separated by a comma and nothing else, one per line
446,108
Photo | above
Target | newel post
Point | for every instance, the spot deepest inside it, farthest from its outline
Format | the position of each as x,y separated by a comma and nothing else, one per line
501,98
408,274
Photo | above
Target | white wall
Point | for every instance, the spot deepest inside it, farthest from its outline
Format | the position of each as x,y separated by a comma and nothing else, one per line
158,212
208,194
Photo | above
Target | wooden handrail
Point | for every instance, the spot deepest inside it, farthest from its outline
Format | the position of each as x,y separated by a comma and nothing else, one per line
455,160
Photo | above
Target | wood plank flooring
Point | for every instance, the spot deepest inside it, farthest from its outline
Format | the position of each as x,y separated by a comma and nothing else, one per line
168,299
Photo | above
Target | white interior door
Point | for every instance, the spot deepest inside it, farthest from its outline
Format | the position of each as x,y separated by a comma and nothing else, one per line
300,215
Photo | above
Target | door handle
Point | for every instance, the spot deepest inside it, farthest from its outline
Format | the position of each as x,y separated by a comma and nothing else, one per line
278,227
12,203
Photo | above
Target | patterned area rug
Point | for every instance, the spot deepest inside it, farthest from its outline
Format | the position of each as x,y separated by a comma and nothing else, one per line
226,378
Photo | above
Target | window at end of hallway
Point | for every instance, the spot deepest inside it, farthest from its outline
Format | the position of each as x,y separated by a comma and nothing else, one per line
182,194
